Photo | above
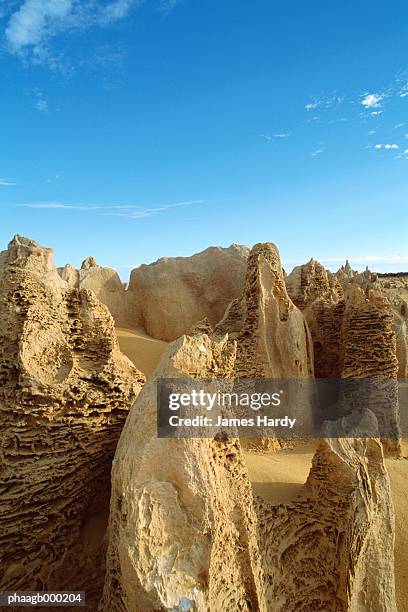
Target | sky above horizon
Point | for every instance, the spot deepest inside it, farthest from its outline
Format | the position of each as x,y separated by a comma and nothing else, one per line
139,129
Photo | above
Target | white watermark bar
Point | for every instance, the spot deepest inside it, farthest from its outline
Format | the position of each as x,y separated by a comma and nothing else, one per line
283,408
42,598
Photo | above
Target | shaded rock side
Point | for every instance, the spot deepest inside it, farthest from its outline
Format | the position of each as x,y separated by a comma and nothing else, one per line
173,294
369,350
182,525
65,391
318,293
272,336
332,549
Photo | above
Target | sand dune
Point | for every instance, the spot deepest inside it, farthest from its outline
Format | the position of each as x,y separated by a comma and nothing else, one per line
144,351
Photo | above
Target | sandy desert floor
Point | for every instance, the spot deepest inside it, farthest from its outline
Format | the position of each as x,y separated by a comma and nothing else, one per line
145,352
279,477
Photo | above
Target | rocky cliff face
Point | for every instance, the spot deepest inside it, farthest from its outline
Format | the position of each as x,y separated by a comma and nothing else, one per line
65,391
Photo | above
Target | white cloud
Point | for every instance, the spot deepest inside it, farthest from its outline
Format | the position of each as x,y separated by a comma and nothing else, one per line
130,211
31,28
387,146
4,182
371,132
316,152
399,125
372,100
313,105
35,20
279,136
41,105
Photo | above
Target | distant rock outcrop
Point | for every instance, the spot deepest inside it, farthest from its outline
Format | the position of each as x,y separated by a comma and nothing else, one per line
168,297
65,391
106,285
352,331
272,337
174,293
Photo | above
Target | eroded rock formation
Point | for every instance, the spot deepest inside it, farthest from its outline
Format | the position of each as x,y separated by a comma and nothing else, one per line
106,285
332,549
353,334
272,337
65,391
182,523
187,533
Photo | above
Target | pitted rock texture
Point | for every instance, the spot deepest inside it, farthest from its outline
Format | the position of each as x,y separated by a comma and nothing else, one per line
353,336
310,282
272,336
65,391
173,294
182,523
369,350
332,550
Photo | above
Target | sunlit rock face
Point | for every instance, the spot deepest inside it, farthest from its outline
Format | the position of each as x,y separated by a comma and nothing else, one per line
65,391
182,525
174,293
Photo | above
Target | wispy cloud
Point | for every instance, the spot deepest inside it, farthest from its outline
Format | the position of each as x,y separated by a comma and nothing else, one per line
330,101
31,28
130,211
4,182
276,136
317,152
372,100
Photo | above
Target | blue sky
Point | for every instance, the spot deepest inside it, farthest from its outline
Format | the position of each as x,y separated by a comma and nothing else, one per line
135,130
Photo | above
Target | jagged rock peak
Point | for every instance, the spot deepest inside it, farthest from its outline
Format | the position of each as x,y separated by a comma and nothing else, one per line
89,262
312,281
26,254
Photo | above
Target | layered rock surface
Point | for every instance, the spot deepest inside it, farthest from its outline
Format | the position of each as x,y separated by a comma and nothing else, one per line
65,391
